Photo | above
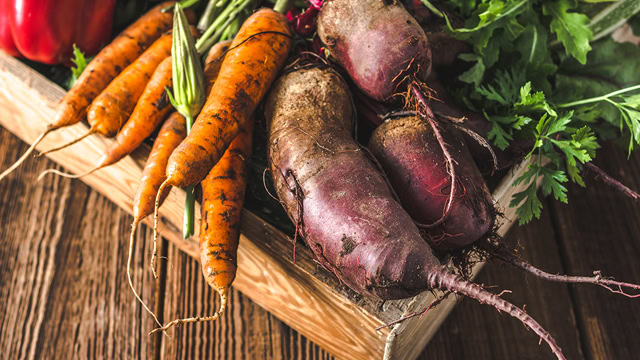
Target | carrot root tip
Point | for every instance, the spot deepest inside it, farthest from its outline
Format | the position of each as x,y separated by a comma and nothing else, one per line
65,145
223,304
25,155
64,174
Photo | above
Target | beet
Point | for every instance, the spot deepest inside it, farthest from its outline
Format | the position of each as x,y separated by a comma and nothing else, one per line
413,160
377,42
340,201
333,192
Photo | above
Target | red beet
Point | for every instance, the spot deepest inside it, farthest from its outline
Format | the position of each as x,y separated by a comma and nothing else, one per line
378,42
340,202
412,158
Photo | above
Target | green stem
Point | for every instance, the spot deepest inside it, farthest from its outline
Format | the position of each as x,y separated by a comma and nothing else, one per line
230,31
226,17
599,98
506,13
184,3
214,26
210,13
189,203
282,6
432,8
189,210
220,29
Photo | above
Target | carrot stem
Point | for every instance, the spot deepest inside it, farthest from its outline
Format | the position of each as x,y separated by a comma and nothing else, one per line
282,6
222,21
210,13
189,202
184,4
187,227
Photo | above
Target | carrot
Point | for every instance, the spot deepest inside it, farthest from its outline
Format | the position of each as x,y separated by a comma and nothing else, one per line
113,107
172,132
106,65
257,53
212,63
254,59
148,113
222,197
211,69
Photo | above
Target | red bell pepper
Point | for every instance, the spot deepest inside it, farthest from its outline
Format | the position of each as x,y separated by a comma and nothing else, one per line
45,30
6,38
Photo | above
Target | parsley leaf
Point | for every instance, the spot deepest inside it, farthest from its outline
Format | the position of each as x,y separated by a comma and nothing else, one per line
527,201
571,28
552,183
532,102
555,96
476,72
80,63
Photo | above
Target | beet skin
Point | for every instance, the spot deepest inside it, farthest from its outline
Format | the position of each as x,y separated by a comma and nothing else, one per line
378,42
414,162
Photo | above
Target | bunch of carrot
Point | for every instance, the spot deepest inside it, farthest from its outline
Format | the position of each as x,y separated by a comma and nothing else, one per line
127,91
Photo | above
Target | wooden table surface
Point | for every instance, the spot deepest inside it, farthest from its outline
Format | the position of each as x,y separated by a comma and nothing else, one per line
64,293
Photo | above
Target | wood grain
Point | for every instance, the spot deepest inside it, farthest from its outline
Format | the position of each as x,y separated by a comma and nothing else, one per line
246,331
604,237
62,270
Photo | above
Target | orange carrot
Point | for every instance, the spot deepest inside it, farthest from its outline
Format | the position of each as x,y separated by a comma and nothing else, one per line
257,53
148,113
172,132
105,66
212,63
151,109
222,198
255,57
112,108
211,69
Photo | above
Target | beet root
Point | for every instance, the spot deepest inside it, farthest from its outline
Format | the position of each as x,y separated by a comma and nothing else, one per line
414,162
445,105
377,42
340,201
507,255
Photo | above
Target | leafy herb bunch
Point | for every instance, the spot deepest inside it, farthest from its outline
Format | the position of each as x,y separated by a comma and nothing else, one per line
545,70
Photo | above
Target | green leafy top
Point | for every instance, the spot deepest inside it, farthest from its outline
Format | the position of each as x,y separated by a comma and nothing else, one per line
80,63
536,74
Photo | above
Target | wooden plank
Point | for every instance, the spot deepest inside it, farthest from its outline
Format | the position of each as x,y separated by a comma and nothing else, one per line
245,331
599,230
27,101
63,290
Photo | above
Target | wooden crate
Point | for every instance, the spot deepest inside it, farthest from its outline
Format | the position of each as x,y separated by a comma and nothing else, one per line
306,298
